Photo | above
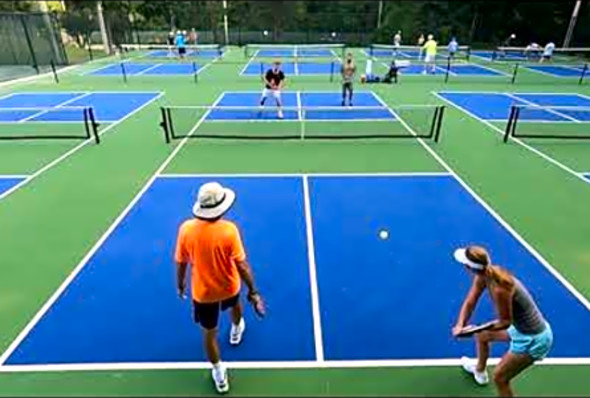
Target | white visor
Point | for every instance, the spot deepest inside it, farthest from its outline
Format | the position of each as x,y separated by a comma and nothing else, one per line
461,256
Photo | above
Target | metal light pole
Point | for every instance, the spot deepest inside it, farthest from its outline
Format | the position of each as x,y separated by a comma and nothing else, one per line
572,25
225,25
103,28
379,13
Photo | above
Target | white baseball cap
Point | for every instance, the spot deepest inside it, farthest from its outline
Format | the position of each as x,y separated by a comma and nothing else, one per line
213,201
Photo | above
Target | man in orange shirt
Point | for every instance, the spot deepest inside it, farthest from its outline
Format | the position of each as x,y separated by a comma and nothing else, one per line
214,249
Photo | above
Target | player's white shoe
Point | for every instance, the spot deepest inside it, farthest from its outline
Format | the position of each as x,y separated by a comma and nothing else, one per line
280,114
468,365
236,332
221,380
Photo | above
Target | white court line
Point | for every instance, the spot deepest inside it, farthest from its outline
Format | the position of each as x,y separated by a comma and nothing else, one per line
502,73
11,176
313,281
92,71
62,104
141,72
517,140
328,364
548,73
243,71
516,97
71,152
410,174
64,285
299,115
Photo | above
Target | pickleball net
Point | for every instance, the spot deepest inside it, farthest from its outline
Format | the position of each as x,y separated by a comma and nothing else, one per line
548,122
48,123
302,123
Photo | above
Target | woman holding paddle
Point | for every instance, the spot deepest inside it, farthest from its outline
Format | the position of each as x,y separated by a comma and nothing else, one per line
519,321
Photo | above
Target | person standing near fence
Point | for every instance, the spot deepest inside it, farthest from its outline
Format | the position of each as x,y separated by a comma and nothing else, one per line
452,48
348,71
180,44
548,52
213,248
430,49
397,41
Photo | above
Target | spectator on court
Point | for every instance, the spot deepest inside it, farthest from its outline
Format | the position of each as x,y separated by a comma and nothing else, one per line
453,47
430,48
369,69
213,248
170,42
519,321
420,44
347,71
548,52
180,44
397,40
274,79
532,50
193,36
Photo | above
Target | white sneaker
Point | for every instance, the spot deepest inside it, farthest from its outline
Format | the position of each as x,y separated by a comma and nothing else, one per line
236,332
481,378
221,381
280,114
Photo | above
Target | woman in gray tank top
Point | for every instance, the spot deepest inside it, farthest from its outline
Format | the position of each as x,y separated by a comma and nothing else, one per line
519,321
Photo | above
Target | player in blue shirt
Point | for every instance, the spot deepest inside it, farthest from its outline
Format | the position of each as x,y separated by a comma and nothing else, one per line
180,44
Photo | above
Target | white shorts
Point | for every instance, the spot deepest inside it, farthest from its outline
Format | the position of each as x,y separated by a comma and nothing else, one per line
429,59
267,92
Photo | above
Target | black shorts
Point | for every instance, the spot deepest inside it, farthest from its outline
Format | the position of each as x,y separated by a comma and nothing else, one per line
207,314
182,50
347,86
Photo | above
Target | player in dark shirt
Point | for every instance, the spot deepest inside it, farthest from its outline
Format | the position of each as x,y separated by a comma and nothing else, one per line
274,80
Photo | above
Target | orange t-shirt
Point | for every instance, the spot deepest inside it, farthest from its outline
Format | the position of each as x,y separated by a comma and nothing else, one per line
212,249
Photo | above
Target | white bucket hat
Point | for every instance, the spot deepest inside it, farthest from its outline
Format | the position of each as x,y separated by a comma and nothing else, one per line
461,256
213,201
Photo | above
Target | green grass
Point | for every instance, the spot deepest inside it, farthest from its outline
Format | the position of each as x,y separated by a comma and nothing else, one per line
49,225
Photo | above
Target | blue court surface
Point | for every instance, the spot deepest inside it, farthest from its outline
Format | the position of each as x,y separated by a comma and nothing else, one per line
147,69
496,106
558,70
60,107
293,68
297,52
122,306
456,70
367,106
9,181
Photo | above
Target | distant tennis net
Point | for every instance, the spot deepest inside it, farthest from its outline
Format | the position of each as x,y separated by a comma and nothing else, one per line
555,122
314,122
295,51
163,51
34,123
562,55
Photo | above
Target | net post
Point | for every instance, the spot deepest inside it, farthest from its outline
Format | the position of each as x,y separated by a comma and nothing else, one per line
164,124
584,70
509,124
514,73
433,123
439,123
332,70
170,124
246,51
86,121
87,39
515,121
302,117
448,69
468,53
124,72
195,72
94,125
54,72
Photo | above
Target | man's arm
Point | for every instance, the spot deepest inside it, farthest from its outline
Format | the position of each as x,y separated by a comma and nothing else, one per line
282,82
246,274
181,278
